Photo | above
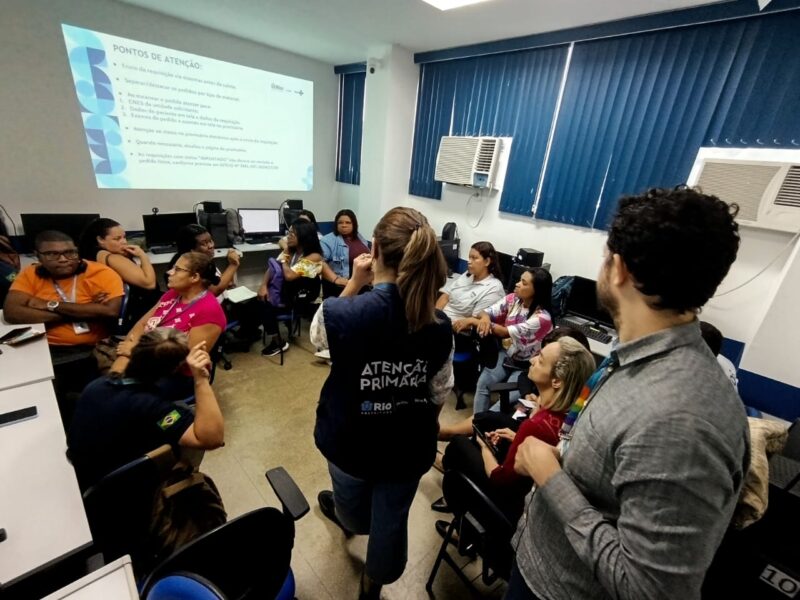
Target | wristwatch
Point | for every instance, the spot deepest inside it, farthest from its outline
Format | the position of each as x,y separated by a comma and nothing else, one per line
52,305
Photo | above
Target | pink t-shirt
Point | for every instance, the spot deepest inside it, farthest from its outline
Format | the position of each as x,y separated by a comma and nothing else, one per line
184,315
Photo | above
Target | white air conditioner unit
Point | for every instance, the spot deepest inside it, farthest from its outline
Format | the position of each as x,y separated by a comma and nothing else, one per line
468,161
764,183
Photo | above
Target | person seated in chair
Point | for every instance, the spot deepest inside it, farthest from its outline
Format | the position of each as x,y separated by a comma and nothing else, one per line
77,300
559,372
121,417
188,306
302,259
522,318
340,248
474,291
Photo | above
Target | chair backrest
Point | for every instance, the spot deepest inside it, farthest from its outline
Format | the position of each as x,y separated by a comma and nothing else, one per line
119,507
247,557
473,507
184,586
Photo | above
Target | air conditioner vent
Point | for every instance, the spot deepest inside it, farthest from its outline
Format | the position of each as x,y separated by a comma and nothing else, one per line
764,182
470,161
740,183
789,194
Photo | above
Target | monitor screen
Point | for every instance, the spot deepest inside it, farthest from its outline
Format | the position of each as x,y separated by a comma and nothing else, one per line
260,221
583,302
162,229
71,224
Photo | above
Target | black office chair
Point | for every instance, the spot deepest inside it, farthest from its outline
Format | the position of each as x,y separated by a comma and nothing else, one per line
119,508
761,560
246,558
299,297
482,528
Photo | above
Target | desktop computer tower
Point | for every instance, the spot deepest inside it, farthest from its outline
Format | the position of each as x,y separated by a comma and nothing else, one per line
217,225
526,258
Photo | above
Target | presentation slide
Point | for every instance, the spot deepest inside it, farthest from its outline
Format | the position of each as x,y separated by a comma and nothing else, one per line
157,118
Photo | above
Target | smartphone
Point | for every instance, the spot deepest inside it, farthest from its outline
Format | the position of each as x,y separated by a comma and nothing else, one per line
15,416
485,439
25,337
10,335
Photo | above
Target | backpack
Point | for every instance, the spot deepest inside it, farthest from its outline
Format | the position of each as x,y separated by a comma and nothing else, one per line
234,225
275,285
186,506
561,290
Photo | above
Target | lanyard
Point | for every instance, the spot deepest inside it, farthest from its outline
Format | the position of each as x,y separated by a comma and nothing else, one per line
168,312
61,293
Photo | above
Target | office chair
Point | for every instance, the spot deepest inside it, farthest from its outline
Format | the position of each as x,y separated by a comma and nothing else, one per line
119,507
246,558
298,299
482,528
184,586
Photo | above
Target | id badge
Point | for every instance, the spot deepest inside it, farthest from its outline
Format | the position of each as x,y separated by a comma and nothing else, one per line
81,327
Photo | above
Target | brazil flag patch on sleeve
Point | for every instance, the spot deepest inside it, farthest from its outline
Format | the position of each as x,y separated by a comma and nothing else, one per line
169,420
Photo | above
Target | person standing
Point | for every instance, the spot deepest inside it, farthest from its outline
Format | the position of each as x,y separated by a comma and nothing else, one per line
391,353
650,472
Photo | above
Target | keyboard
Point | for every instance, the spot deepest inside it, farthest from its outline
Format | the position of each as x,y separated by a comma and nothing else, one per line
593,333
263,240
162,249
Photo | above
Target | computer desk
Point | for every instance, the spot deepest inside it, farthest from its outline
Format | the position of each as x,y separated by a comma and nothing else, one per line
41,508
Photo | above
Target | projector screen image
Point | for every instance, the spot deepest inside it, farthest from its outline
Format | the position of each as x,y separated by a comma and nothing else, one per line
157,118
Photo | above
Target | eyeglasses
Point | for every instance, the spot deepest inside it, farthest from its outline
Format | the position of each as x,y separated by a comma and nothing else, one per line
54,255
177,268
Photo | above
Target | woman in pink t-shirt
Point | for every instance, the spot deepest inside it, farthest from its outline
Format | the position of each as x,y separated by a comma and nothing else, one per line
187,306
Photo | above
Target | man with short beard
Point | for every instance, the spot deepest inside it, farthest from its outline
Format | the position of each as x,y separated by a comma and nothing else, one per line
635,500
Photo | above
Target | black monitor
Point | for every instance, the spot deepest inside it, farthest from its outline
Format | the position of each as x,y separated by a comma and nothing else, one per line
72,224
162,229
260,222
582,302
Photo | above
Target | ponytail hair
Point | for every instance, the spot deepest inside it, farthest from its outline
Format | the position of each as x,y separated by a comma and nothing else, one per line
408,244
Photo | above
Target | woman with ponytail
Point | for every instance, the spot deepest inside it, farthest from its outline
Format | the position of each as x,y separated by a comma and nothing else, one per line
391,371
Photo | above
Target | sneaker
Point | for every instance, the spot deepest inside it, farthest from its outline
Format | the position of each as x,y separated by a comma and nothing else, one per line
328,508
274,348
326,354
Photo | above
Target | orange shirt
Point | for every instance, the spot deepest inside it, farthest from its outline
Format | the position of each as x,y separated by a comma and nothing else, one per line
95,279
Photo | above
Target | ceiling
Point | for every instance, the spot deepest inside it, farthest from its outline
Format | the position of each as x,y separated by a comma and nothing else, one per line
343,31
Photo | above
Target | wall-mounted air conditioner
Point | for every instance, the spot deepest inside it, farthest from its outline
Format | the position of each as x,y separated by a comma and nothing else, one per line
764,183
468,161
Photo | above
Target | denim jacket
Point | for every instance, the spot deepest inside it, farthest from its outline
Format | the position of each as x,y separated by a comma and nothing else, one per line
337,254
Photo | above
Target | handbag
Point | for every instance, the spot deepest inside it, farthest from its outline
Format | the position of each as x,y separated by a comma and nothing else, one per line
105,353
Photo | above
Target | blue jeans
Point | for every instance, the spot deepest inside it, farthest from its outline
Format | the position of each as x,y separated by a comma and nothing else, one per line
380,510
517,588
496,374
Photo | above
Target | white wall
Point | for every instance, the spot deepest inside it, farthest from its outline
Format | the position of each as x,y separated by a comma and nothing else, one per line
46,165
385,166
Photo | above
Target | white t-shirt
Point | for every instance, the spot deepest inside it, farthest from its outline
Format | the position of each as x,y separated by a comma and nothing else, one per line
468,298
729,369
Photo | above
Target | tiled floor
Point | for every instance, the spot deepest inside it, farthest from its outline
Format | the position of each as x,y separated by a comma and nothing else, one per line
269,421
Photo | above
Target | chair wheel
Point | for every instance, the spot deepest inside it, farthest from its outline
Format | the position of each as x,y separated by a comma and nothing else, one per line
227,365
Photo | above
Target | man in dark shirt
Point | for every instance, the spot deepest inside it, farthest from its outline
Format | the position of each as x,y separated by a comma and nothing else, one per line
119,419
635,500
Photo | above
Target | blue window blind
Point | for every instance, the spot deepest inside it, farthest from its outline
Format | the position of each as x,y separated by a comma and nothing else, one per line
351,116
634,112
760,102
636,109
511,94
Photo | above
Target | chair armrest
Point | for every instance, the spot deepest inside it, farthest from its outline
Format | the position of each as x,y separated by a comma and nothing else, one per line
504,386
292,499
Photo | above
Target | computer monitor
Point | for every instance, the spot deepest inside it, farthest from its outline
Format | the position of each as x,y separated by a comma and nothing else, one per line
162,229
70,223
582,302
260,222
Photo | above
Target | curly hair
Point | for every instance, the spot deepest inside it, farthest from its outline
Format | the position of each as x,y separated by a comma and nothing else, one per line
678,244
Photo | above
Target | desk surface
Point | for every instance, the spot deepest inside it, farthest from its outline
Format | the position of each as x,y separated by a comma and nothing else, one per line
114,581
162,259
40,506
28,363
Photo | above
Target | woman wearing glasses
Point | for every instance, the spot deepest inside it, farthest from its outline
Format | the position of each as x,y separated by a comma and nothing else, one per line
188,306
